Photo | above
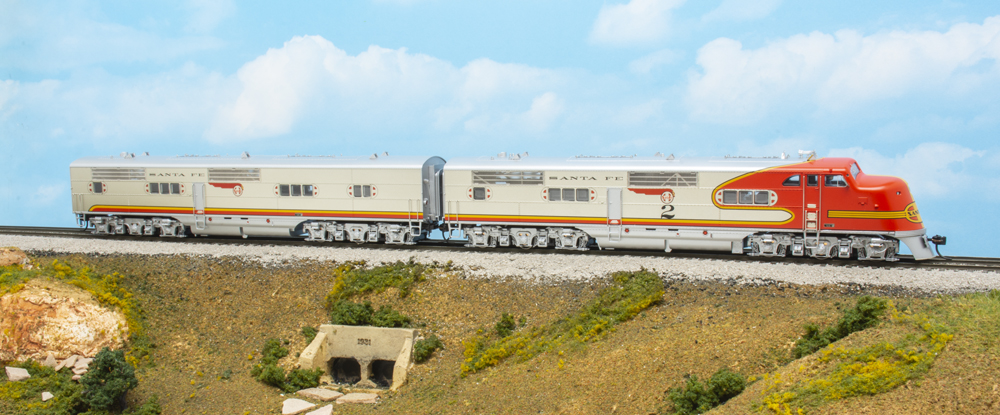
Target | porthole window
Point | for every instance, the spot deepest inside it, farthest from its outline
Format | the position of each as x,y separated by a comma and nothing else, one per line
97,187
746,197
793,181
480,193
362,190
164,188
569,195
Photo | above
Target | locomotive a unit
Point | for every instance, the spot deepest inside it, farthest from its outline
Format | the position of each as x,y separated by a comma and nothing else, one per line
773,207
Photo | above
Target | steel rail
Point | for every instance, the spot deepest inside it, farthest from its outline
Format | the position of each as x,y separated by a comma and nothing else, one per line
905,261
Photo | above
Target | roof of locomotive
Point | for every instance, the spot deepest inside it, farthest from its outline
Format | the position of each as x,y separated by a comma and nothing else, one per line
631,163
296,161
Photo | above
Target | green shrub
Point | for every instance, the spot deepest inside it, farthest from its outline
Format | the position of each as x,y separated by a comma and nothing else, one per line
423,349
108,379
697,398
506,326
353,279
387,317
353,314
150,407
864,314
302,379
350,314
309,333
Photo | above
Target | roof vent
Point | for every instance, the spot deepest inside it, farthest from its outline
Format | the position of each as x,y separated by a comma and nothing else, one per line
670,157
373,157
127,155
502,155
145,153
658,154
385,154
524,154
807,154
515,157
783,155
245,155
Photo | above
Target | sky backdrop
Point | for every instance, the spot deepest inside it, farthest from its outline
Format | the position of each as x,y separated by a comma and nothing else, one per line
908,89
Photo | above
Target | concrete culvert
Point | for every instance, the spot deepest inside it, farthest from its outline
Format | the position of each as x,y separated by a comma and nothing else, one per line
345,370
382,372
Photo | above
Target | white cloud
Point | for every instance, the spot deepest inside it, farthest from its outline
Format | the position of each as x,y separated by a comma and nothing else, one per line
47,194
741,10
637,22
205,15
654,60
310,78
930,169
840,71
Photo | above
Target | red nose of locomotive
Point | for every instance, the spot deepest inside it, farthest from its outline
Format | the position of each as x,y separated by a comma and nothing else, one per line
890,200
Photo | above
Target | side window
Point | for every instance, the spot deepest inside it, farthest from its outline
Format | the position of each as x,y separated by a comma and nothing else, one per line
855,170
295,190
812,180
284,190
746,197
569,195
834,180
795,181
307,190
555,195
478,193
729,197
97,187
164,188
358,190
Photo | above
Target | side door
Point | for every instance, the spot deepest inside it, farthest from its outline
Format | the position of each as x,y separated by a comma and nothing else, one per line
615,213
198,193
812,201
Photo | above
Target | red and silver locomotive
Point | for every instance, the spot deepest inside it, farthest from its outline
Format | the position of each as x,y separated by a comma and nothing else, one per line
775,207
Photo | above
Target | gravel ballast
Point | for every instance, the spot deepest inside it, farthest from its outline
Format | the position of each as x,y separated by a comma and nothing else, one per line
551,267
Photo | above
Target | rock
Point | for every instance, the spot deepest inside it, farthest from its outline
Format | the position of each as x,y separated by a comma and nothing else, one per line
320,394
358,398
12,256
79,370
295,406
69,362
46,396
50,361
15,374
326,410
76,377
82,363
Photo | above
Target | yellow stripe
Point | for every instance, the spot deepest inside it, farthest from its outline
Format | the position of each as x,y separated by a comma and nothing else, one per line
857,214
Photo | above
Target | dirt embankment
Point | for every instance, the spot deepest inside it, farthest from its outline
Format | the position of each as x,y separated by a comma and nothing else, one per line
209,318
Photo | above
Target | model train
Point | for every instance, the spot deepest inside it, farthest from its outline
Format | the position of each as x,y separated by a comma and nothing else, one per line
821,208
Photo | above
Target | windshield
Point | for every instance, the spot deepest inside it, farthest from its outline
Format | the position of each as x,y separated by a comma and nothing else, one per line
855,170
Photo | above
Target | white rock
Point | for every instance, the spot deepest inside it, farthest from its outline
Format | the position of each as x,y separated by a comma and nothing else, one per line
15,374
46,396
79,370
320,394
295,406
76,377
82,362
50,361
358,398
326,410
70,361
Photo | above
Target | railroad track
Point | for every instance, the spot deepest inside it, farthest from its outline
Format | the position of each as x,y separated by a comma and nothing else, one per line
905,261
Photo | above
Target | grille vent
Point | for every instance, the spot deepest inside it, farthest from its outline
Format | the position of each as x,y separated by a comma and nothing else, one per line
507,177
110,174
234,175
663,179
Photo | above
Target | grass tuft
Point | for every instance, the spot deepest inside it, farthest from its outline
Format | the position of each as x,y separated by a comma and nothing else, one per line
353,279
628,295
864,314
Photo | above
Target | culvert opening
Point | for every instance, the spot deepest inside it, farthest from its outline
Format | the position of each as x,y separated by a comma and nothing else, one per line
382,372
345,370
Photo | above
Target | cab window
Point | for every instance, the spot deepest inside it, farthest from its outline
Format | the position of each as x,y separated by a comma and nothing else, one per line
791,181
834,180
812,180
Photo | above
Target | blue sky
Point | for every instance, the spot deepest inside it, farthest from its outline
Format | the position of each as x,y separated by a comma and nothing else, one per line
907,88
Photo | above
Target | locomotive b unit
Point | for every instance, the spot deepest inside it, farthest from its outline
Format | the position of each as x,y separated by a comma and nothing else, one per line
774,207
